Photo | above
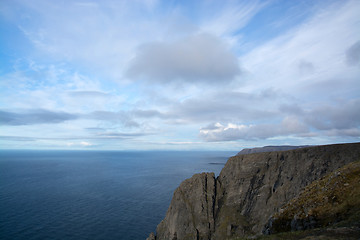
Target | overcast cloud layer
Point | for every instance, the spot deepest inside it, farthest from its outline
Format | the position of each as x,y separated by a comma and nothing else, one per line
130,75
198,58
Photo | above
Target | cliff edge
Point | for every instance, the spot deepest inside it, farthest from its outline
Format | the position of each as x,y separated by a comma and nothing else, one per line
248,191
268,149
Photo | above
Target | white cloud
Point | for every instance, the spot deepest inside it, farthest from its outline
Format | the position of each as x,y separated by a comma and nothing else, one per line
338,120
85,144
99,36
79,144
230,132
226,20
103,37
317,46
303,83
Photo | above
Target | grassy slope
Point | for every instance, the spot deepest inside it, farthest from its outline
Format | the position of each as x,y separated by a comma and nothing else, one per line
334,199
336,233
331,204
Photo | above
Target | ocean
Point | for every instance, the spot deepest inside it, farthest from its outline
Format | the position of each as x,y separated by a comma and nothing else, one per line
92,194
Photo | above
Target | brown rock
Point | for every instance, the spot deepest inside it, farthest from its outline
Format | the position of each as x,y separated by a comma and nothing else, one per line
190,215
249,189
151,236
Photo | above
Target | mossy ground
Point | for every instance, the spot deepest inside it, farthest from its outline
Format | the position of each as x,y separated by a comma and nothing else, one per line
343,233
334,199
238,223
333,202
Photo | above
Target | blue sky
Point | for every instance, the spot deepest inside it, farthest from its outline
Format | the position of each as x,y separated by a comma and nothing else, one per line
182,75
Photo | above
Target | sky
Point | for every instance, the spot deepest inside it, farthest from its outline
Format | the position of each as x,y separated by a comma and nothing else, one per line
178,75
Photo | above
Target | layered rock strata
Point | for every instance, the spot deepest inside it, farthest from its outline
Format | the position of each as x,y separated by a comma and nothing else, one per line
191,211
249,190
332,200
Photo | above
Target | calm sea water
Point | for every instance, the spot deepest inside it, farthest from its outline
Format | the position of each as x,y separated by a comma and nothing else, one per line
92,194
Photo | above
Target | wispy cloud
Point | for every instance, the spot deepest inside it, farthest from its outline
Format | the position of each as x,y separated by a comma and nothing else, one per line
227,20
88,94
318,44
36,116
144,74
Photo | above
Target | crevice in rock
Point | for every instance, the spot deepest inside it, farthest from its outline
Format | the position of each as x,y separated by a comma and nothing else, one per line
278,179
214,200
206,196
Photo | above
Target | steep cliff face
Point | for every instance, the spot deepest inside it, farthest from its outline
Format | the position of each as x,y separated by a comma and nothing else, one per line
257,185
191,211
249,189
334,199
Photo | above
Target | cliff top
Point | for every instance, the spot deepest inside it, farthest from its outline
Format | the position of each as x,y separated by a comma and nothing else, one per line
269,149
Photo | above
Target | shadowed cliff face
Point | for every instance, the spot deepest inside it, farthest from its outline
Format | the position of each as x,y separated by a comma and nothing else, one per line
249,189
255,186
334,199
191,211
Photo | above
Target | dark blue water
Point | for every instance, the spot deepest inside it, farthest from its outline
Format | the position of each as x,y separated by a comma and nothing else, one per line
92,194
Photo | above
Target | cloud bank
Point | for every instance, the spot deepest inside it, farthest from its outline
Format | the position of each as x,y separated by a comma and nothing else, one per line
337,120
231,132
197,58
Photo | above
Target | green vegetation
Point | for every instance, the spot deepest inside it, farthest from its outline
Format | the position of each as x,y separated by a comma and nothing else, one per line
329,208
334,199
344,233
233,223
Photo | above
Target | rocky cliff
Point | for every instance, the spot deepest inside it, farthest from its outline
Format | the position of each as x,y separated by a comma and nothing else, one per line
268,149
332,200
191,211
248,191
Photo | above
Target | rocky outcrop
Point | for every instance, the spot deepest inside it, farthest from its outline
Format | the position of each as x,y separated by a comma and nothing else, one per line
191,211
151,237
249,190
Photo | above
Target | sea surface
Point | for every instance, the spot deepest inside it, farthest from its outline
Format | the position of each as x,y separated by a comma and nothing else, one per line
92,194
